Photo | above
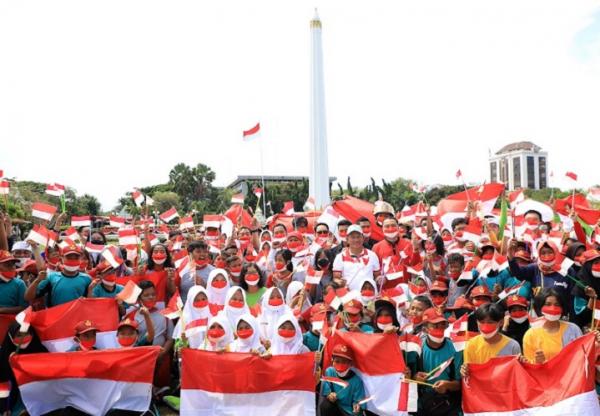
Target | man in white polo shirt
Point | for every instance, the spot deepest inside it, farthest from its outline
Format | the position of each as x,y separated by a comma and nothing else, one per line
355,263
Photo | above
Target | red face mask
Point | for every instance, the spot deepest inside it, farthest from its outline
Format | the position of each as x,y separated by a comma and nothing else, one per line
53,260
200,304
286,333
149,303
436,332
596,267
547,258
488,256
458,234
447,238
343,233
218,284
294,244
354,318
110,278
212,233
220,264
552,310
341,367
416,320
251,277
487,328
9,275
72,262
216,333
245,238
22,340
384,320
454,275
279,235
279,266
87,344
250,258
276,302
518,314
238,304
367,293
201,263
245,333
126,341
438,300
417,290
159,257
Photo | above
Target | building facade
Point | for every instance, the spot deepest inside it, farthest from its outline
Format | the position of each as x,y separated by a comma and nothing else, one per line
520,165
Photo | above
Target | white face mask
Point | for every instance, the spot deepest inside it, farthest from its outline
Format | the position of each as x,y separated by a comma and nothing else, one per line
391,236
367,299
551,318
235,274
490,335
254,283
546,263
342,373
71,269
21,262
161,261
435,339
367,235
520,320
383,327
595,274
286,339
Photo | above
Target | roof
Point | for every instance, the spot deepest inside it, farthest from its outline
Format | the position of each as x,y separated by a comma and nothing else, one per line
524,145
274,178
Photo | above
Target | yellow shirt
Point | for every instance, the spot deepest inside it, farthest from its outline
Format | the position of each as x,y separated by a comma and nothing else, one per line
540,339
479,351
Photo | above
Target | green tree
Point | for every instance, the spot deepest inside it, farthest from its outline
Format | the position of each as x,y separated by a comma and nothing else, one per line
165,200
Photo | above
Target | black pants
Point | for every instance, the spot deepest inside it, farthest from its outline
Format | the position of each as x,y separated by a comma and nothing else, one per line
326,408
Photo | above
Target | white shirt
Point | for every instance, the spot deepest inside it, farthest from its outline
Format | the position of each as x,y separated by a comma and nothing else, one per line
355,269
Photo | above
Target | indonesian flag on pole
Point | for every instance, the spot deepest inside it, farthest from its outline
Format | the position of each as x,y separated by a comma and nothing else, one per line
130,293
458,174
212,221
138,197
174,307
564,385
112,256
245,384
594,194
72,234
4,187
258,192
472,232
313,277
169,215
39,234
128,238
288,208
571,175
94,248
379,363
515,197
43,211
83,221
117,222
186,223
510,291
237,199
55,189
93,382
55,325
252,133
153,239
310,205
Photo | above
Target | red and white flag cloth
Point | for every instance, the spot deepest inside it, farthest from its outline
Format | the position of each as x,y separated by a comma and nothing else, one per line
174,307
4,187
237,199
378,361
564,385
458,174
112,256
212,221
83,221
55,189
169,215
117,222
130,293
252,133
55,325
43,211
39,234
258,192
594,194
72,234
186,223
440,369
310,204
138,197
94,248
313,277
571,175
288,208
338,381
153,239
510,291
245,384
516,197
93,382
391,269
128,238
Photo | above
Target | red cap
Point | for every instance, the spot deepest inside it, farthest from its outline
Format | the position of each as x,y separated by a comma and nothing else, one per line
354,306
5,257
317,308
481,291
85,326
461,303
590,255
128,322
70,249
438,286
433,315
516,300
342,350
29,266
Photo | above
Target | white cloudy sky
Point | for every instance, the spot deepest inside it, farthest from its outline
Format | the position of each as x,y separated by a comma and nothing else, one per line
107,95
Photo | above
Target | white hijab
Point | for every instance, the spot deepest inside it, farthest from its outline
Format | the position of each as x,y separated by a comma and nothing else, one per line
360,286
295,346
249,344
292,290
192,314
270,314
221,319
217,296
234,313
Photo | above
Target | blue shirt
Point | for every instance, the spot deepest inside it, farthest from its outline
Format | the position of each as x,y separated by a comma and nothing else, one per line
431,358
346,396
99,291
505,280
63,289
532,274
12,293
311,341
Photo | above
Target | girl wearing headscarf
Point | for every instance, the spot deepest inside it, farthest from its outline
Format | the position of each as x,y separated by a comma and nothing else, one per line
196,313
248,336
272,308
295,294
288,339
235,305
219,335
217,287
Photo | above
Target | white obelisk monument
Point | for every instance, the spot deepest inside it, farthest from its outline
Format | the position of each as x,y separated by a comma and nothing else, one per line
319,167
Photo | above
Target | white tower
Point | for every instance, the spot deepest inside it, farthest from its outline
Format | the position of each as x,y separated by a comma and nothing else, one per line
319,169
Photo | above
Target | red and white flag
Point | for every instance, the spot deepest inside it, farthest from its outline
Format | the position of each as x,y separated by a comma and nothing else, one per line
458,174
212,221
43,211
83,221
169,215
93,382
130,293
564,385
39,235
378,361
313,277
112,256
310,204
288,208
94,248
571,175
237,199
472,232
510,291
138,197
153,239
4,187
55,326
440,369
245,384
258,192
55,189
186,223
338,381
516,197
594,194
128,238
252,133
174,307
117,222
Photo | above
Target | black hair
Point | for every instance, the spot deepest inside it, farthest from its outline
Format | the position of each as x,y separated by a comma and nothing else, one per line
300,222
197,245
344,222
456,258
424,299
96,231
174,233
287,257
491,311
168,261
261,277
362,219
533,211
458,221
540,299
390,309
323,224
280,225
146,284
318,256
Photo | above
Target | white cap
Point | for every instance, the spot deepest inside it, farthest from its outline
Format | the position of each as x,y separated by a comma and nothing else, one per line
21,245
354,228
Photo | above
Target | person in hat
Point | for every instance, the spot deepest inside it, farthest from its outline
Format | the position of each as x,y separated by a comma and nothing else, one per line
64,286
353,317
23,252
439,294
335,399
516,323
105,284
317,316
355,263
85,336
128,334
589,274
480,295
437,349
12,289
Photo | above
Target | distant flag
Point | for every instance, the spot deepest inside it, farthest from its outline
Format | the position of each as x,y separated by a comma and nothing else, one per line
130,293
458,174
174,307
94,248
72,234
128,238
55,189
253,133
416,188
149,201
313,277
515,197
138,197
212,221
169,215
594,194
258,192
310,205
186,223
571,175
112,256
4,187
288,208
43,211
153,239
117,222
83,221
237,199
1,173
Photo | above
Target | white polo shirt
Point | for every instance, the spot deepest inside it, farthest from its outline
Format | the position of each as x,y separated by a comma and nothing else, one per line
355,268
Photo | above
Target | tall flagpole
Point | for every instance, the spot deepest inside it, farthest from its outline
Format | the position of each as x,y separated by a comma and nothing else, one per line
262,177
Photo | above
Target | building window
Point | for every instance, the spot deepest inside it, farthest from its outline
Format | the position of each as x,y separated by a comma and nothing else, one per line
516,172
530,173
542,170
493,172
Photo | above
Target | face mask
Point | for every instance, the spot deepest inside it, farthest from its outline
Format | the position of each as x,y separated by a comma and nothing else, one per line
323,264
436,335
220,264
218,284
454,275
531,223
215,334
244,238
149,303
547,260
22,341
251,279
237,304
438,300
245,333
447,238
200,304
109,280
9,275
354,318
417,290
391,235
552,313
287,335
367,293
275,301
294,246
416,320
519,316
341,369
87,344
488,330
384,322
21,262
279,238
159,258
127,341
487,256
53,261
201,263
71,265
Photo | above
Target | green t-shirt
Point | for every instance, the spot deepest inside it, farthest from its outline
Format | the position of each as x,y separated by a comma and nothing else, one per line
252,298
63,289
